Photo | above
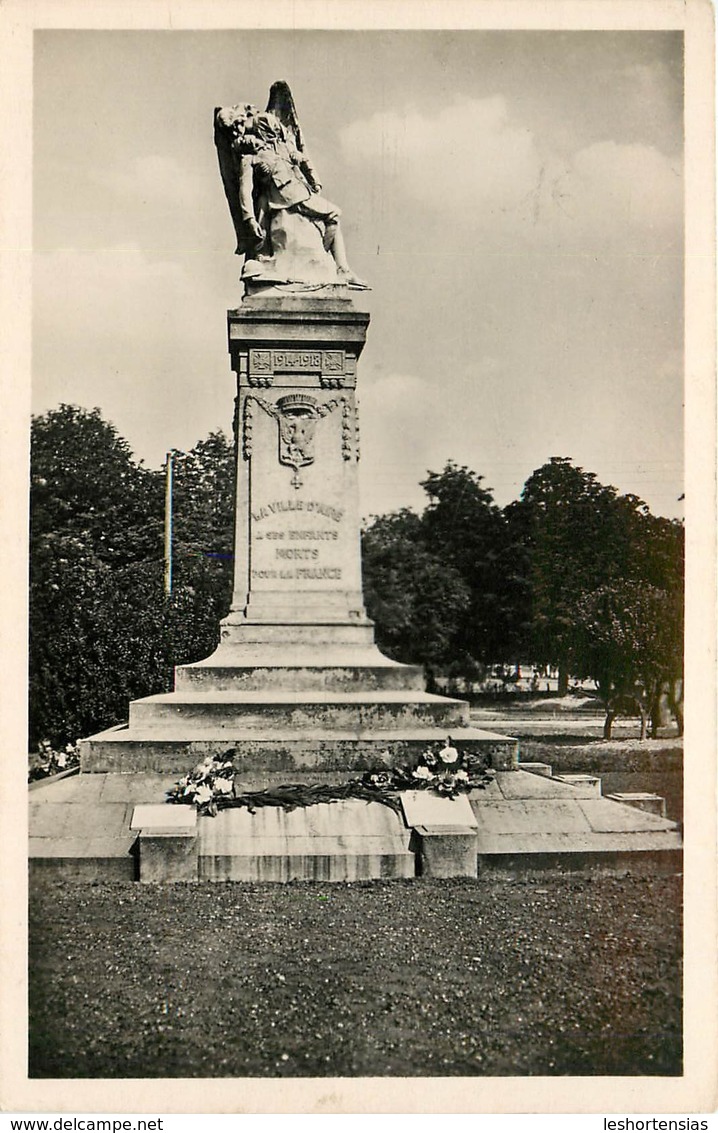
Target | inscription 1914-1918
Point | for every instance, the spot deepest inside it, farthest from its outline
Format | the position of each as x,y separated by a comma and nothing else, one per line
296,361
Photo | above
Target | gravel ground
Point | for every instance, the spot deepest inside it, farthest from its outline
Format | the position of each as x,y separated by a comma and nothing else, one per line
548,974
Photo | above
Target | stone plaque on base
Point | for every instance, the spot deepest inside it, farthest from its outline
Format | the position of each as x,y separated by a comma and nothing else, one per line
423,808
163,816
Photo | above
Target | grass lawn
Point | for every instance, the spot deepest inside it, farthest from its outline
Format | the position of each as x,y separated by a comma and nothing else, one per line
539,974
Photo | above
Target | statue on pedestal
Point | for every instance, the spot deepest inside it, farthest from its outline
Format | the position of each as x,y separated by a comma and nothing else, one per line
288,232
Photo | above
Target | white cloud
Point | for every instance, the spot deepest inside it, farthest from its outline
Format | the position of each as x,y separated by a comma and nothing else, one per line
110,291
410,425
467,154
475,159
636,184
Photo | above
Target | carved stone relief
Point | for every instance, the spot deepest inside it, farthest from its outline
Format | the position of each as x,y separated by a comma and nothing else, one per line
297,415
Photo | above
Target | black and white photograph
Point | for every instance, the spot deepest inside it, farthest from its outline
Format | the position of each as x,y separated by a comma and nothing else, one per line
365,578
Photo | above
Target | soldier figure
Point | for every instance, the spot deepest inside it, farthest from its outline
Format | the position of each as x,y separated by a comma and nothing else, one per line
270,172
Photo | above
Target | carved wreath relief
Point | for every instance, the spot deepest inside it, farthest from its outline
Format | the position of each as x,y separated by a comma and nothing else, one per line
296,415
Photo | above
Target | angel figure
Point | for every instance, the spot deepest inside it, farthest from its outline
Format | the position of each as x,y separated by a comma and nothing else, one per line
286,229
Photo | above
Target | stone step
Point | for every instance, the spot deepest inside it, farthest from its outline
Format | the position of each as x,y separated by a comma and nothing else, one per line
589,786
641,800
242,639
543,769
300,677
177,751
256,712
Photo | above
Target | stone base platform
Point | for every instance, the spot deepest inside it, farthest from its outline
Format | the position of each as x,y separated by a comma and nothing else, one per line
80,829
529,821
289,750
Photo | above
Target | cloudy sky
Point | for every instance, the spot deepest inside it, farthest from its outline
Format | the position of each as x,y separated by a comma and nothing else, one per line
514,199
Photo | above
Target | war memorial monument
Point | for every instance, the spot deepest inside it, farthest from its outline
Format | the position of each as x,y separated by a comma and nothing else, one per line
297,687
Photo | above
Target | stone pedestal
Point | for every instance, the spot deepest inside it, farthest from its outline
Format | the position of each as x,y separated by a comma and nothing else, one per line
446,851
167,842
297,553
167,856
297,681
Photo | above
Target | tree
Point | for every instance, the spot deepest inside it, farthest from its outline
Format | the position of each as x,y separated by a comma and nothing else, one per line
662,565
442,585
629,639
86,484
575,535
464,528
203,558
523,571
101,629
416,599
95,542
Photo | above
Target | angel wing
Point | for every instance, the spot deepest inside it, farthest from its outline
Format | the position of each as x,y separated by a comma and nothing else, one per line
224,139
228,130
281,105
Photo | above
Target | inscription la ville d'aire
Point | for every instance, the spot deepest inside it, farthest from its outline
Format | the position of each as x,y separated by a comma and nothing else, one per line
294,535
309,506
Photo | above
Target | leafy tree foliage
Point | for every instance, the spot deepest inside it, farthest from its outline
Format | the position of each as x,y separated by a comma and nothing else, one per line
464,526
629,639
85,484
95,522
416,599
101,630
573,575
576,535
203,507
441,586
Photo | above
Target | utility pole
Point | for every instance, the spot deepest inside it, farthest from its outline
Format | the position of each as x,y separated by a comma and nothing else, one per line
168,523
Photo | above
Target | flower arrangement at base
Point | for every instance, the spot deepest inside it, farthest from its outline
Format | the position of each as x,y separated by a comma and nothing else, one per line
449,773
49,761
211,785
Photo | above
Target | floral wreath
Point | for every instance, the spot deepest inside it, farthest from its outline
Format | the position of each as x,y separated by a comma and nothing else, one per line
211,785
